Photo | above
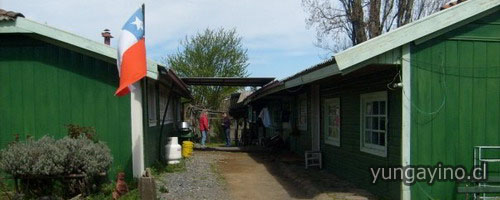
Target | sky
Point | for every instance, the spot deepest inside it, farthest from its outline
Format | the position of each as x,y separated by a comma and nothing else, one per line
274,32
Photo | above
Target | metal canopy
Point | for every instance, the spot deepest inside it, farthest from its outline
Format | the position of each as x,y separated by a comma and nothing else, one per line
227,81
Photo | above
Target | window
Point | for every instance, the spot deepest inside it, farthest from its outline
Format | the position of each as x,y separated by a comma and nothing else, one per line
302,113
374,123
163,103
331,121
152,100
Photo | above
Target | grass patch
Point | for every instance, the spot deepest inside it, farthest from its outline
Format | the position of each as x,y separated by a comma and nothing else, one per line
159,168
106,192
219,144
213,169
215,144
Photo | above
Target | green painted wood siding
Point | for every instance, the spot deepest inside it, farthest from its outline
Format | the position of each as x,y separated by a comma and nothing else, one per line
301,142
44,87
152,148
347,161
456,100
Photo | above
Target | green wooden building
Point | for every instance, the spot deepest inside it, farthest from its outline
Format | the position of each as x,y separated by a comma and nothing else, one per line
50,78
423,94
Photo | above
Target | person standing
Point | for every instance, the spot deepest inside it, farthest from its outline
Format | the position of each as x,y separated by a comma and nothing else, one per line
203,127
226,126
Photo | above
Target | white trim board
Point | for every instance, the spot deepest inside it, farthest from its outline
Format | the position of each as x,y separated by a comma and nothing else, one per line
414,31
406,116
137,127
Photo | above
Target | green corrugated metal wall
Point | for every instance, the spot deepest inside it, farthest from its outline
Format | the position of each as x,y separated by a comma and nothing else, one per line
461,69
348,161
44,87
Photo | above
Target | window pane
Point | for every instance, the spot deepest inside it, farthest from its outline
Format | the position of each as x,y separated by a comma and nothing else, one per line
335,133
368,108
375,107
375,138
381,139
382,107
152,97
375,123
368,122
368,136
382,123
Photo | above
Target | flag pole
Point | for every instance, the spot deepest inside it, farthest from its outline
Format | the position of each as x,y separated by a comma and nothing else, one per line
144,18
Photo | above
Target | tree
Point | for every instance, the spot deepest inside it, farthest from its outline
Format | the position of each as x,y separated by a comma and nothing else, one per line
343,23
211,53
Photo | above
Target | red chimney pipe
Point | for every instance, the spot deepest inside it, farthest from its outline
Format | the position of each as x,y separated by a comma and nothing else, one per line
107,36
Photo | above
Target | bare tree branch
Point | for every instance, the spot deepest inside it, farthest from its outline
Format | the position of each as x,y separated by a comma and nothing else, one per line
343,23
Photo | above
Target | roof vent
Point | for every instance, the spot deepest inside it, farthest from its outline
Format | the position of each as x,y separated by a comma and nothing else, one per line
107,36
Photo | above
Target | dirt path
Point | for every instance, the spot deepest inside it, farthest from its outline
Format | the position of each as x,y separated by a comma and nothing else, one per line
250,177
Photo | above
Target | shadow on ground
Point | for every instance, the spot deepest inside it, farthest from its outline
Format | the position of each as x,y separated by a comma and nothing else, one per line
288,170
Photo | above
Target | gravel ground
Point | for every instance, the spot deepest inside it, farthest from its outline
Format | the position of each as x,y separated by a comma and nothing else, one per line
200,180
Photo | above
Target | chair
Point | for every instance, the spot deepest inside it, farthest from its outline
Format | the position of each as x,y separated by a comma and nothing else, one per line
313,158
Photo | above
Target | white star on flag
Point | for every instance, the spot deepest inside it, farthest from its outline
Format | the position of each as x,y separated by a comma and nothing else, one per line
137,23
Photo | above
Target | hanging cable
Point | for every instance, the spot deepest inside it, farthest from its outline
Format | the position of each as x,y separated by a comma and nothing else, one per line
390,84
443,89
423,191
424,63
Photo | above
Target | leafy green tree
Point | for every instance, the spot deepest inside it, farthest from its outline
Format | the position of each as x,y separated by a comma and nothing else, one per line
211,53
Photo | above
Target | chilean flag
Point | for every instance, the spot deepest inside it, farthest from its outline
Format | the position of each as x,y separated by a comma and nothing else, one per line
131,60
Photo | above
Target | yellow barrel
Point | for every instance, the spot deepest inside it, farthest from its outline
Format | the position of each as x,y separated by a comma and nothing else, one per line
187,148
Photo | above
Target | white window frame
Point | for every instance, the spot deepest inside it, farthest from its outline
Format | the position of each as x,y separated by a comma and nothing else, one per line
302,104
326,125
371,148
152,99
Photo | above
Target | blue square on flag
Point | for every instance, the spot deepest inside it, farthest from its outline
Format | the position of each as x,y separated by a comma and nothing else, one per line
135,24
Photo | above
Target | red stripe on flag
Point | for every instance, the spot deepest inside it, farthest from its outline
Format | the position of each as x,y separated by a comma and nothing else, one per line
133,67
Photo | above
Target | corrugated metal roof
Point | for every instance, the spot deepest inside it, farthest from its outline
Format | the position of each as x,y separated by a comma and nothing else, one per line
277,83
243,96
9,15
262,90
311,69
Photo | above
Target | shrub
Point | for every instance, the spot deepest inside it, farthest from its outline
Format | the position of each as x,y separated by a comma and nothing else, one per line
33,158
49,157
76,131
39,163
85,157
